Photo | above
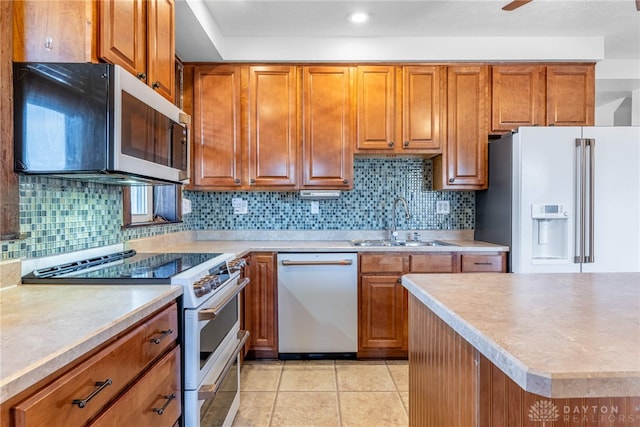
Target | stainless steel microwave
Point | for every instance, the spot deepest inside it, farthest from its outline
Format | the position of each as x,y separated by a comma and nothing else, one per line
96,122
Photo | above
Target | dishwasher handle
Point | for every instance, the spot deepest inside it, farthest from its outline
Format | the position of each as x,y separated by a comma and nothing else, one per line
287,262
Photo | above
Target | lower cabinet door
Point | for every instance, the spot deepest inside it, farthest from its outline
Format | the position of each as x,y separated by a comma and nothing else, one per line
153,401
382,317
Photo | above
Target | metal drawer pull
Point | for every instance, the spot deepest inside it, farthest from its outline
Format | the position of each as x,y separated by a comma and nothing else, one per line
338,262
101,386
208,391
212,313
161,337
160,411
482,263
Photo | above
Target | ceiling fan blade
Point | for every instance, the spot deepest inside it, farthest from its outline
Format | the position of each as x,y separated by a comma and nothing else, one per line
517,3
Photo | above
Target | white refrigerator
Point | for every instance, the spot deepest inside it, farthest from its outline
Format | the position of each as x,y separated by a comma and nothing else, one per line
564,199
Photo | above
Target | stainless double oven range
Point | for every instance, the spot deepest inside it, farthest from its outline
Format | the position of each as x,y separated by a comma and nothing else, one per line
211,337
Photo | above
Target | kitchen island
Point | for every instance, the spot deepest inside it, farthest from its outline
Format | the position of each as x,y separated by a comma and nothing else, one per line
516,349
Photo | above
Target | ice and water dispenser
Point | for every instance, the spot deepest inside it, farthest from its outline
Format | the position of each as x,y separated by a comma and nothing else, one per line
550,233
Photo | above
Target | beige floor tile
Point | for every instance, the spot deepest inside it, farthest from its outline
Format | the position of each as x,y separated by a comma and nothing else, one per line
400,375
258,377
320,362
306,409
381,409
364,378
308,378
255,409
404,395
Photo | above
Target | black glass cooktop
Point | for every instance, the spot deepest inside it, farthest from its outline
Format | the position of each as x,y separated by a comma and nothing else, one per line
122,267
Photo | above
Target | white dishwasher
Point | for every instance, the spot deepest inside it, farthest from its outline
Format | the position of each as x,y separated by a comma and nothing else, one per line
317,305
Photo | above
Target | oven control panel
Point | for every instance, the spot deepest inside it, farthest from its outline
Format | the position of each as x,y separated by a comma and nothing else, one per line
214,278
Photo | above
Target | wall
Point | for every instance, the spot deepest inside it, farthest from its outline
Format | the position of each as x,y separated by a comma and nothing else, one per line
59,216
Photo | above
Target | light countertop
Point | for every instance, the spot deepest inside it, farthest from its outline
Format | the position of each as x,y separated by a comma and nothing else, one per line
44,328
557,335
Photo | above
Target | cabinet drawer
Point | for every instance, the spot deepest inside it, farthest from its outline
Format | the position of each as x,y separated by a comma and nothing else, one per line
432,263
119,363
383,263
482,263
153,401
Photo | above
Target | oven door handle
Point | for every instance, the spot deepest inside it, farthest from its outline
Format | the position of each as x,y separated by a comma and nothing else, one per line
208,391
212,313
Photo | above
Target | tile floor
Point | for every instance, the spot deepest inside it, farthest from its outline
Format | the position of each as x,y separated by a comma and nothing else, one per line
339,393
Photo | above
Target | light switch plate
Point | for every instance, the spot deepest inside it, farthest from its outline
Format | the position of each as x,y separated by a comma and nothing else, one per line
315,207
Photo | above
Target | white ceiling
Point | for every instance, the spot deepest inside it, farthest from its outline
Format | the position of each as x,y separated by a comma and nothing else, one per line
606,31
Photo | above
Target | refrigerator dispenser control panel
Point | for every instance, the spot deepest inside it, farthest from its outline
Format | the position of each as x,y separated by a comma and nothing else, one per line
544,211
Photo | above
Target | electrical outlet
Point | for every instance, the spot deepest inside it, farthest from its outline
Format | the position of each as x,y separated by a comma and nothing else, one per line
186,206
315,207
442,207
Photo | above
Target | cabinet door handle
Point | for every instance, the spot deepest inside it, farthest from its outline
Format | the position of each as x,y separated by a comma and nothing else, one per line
391,144
482,263
236,181
162,336
101,386
406,143
155,85
345,181
451,179
169,398
142,76
253,181
399,281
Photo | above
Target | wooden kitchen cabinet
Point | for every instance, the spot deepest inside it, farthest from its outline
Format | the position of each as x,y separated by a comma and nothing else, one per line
153,401
272,126
55,31
383,301
463,163
517,97
570,95
541,95
137,354
139,35
327,127
217,148
400,109
261,306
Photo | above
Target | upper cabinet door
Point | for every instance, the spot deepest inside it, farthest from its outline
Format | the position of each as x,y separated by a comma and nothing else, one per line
570,95
421,108
517,97
327,135
123,35
376,108
272,123
217,127
161,50
463,165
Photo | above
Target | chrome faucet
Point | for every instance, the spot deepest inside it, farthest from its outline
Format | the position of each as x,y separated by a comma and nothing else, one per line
394,231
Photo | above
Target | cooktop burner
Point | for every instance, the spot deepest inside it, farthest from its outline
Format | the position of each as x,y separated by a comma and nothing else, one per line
121,267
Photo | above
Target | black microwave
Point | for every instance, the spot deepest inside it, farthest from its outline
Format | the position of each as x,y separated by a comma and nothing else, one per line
96,122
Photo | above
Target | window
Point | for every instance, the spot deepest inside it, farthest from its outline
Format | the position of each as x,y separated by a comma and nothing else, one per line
146,205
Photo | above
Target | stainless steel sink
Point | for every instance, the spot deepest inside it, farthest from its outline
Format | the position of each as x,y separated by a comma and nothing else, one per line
405,243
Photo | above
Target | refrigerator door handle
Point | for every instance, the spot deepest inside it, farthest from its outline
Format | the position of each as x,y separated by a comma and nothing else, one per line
591,145
580,202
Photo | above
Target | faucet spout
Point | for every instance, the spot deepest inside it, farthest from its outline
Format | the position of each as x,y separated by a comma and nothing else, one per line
394,231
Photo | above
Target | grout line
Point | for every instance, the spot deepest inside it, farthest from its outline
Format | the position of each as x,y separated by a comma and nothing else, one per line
335,373
275,399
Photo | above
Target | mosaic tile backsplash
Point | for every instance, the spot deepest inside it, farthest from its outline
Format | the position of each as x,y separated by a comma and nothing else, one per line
377,182
59,216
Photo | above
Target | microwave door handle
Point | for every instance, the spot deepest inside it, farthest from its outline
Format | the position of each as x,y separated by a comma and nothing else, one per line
208,391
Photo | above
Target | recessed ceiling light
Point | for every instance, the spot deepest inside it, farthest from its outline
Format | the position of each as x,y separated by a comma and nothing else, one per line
358,17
